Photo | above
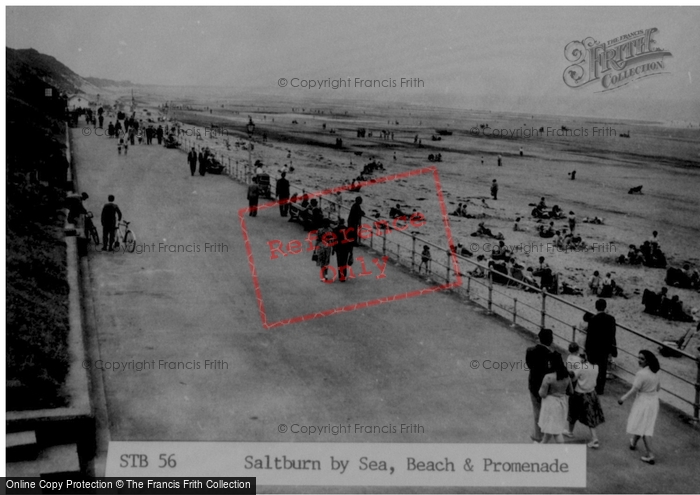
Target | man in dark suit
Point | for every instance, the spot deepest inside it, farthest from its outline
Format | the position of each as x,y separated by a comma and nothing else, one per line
601,342
282,192
111,214
202,164
355,219
537,361
192,160
343,251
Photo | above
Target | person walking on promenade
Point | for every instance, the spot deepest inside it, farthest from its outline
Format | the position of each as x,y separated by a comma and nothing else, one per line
537,361
159,134
324,249
253,194
601,342
342,251
282,192
645,409
192,160
111,214
202,163
494,189
584,405
355,219
556,385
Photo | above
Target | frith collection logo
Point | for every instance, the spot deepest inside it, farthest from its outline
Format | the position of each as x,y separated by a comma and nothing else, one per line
615,63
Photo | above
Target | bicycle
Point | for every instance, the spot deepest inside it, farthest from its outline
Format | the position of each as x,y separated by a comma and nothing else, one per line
122,235
90,229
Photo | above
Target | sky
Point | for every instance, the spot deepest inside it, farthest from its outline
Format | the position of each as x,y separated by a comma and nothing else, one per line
492,58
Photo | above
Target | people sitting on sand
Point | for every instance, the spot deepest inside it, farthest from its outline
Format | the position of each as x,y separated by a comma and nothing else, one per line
529,279
634,255
462,251
464,210
542,205
593,220
567,242
483,231
515,270
660,304
458,211
568,239
654,240
570,290
370,167
609,288
479,272
500,252
546,232
516,226
594,283
653,256
558,240
499,268
676,311
685,278
653,301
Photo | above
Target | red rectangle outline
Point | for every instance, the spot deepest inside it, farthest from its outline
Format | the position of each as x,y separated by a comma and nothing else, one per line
319,314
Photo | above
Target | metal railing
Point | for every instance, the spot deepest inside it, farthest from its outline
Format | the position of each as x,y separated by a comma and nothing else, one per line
483,291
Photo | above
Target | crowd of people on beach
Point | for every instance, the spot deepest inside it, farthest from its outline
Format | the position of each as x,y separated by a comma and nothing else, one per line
648,254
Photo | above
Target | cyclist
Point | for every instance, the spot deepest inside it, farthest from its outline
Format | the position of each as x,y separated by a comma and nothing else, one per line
111,214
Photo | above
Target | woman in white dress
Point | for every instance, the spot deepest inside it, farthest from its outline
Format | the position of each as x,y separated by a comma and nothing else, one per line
645,409
555,404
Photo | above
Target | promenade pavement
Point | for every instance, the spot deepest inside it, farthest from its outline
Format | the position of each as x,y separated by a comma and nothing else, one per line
407,361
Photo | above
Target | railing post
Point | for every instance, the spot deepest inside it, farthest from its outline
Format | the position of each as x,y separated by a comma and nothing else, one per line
413,252
490,302
515,311
447,267
469,285
573,333
543,312
696,406
384,243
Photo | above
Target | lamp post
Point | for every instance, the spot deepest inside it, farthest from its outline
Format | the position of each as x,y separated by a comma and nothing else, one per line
250,128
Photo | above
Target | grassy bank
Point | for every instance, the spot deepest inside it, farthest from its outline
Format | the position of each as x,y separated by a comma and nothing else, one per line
37,290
